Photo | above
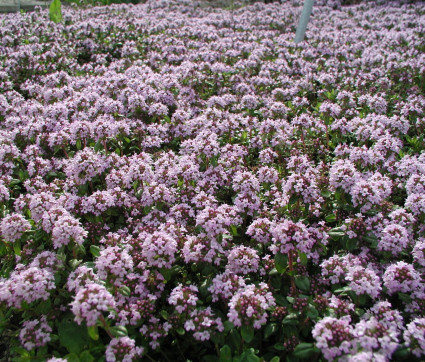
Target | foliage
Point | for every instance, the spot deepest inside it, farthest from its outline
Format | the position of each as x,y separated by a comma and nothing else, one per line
185,183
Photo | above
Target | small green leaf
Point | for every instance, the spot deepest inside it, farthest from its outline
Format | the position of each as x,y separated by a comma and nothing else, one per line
98,146
303,258
17,248
281,262
351,244
125,291
166,273
275,359
164,314
290,320
73,263
269,330
181,331
55,11
247,333
302,282
404,297
95,250
249,356
86,357
312,312
234,230
72,357
228,326
279,347
119,331
326,194
336,233
305,350
401,353
93,332
330,218
293,199
72,336
225,354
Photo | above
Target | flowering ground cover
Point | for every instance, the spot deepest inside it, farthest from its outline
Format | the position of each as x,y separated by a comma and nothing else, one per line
182,183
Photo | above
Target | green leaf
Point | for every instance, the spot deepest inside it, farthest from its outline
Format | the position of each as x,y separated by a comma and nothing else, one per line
228,326
281,262
312,312
55,11
95,250
234,230
372,240
249,356
302,282
305,350
72,357
290,320
326,194
166,273
401,353
225,354
17,248
269,330
98,147
247,333
125,291
303,258
72,336
279,347
86,357
293,199
275,359
181,331
351,244
336,233
164,314
404,297
330,218
44,307
93,332
119,331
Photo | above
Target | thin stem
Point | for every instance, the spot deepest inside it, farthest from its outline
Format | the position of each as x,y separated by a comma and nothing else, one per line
105,326
64,151
291,276
150,358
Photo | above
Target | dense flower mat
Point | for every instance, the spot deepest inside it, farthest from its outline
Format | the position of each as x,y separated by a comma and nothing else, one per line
172,174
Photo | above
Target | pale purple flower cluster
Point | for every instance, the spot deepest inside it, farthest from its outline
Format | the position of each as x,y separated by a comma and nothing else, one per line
203,323
27,285
243,260
288,235
13,226
154,331
123,349
249,306
90,302
162,164
67,229
183,298
333,336
414,336
401,277
35,333
113,264
224,286
159,249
